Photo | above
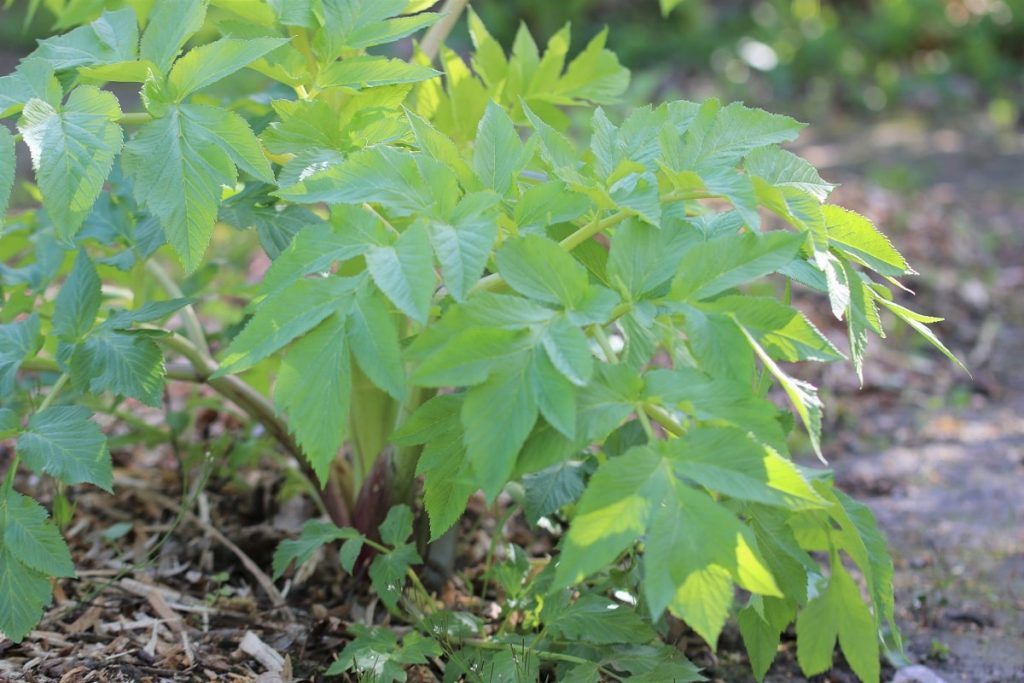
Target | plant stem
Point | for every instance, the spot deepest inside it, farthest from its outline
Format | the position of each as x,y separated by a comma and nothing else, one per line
483,644
664,418
439,32
135,118
604,343
57,386
193,328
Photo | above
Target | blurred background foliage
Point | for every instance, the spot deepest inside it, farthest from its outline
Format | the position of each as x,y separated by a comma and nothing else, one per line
805,57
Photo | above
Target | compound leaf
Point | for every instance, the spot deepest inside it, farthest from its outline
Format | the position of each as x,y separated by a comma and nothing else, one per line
24,592
63,442
207,64
539,268
123,363
27,532
405,272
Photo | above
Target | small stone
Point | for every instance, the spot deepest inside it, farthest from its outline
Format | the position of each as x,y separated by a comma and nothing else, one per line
917,674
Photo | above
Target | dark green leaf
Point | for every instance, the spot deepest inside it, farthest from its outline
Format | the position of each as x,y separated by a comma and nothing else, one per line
63,442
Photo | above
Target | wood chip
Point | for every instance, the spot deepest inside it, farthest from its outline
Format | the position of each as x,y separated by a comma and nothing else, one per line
253,646
89,618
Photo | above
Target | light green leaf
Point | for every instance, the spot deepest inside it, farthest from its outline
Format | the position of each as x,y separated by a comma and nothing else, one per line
780,168
784,332
123,363
569,351
469,356
63,442
498,153
555,395
720,138
7,163
551,489
498,415
314,535
855,235
596,619
170,25
230,132
374,339
78,301
539,268
18,341
316,248
279,319
712,267
73,150
205,65
372,72
405,272
317,411
33,78
112,38
24,593
608,400
464,243
388,573
918,322
397,526
726,460
613,513
861,316
668,5
643,258
448,476
26,531
803,395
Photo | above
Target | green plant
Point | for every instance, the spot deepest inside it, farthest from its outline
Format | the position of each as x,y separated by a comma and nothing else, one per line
457,294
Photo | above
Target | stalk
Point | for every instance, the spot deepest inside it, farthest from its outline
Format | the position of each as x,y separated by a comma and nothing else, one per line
439,32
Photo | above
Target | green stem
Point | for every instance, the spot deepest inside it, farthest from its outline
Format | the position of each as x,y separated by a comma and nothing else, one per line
664,418
193,328
435,37
482,644
602,340
645,422
135,119
57,386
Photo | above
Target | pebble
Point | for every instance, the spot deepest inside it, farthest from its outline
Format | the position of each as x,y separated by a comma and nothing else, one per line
917,674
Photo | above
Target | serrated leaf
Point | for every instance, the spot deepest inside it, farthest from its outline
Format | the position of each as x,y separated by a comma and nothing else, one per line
498,415
112,38
27,532
24,593
919,323
596,619
448,477
397,526
803,395
230,132
405,272
33,78
551,489
18,341
857,236
368,71
569,350
539,268
7,162
73,150
712,267
555,395
314,535
317,411
78,301
469,356
170,25
388,573
613,513
293,311
63,442
373,336
721,137
205,65
498,152
643,258
123,363
784,332
614,393
464,243
780,168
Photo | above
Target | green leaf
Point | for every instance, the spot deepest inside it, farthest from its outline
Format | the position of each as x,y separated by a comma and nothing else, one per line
7,162
374,339
596,619
555,395
18,341
207,64
73,150
364,23
498,152
279,319
33,78
551,489
469,356
448,476
803,395
405,272
463,244
229,131
374,654
712,267
540,269
855,235
726,460
784,332
654,664
643,257
78,301
607,401
498,415
123,363
695,549
861,315
762,634
719,138
404,182
780,168
314,535
317,411
613,513
372,72
112,38
397,526
316,248
569,351
24,593
170,25
388,573
918,322
63,442
27,532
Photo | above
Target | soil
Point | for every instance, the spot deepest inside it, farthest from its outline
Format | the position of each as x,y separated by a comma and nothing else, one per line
938,455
